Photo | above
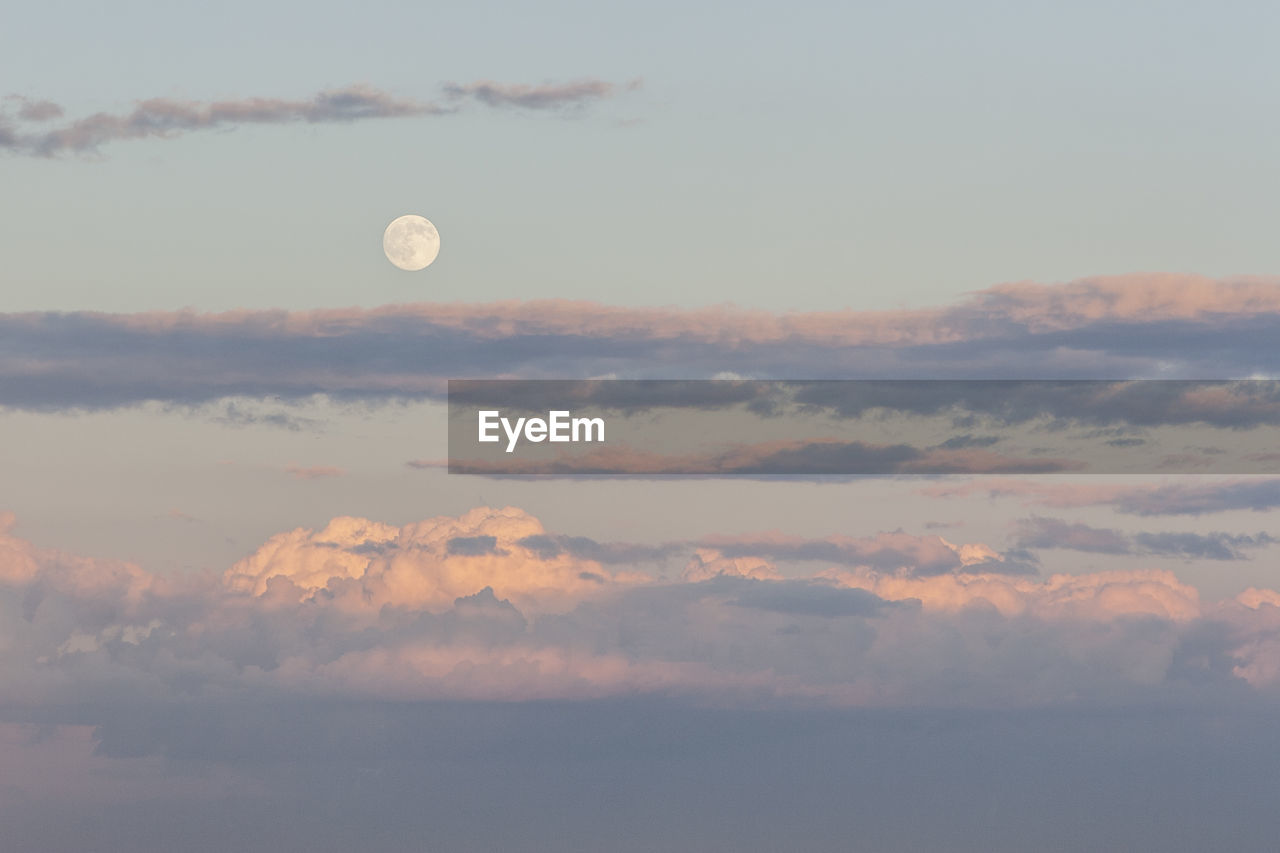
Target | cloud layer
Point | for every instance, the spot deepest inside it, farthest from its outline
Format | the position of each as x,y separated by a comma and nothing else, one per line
491,606
1123,327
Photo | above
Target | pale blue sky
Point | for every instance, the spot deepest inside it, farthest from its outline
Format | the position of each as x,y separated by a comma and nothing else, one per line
820,156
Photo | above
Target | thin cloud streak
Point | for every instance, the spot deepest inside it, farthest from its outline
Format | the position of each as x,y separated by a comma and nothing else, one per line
545,97
1255,494
167,118
1040,532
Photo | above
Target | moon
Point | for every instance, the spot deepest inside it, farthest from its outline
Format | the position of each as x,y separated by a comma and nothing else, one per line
411,242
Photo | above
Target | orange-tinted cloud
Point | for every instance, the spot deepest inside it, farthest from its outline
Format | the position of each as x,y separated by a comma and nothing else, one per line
362,564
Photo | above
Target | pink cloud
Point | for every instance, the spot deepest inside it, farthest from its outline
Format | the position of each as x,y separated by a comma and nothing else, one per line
361,564
479,606
1100,596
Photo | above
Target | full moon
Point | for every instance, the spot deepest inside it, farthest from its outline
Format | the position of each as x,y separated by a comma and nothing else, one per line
411,242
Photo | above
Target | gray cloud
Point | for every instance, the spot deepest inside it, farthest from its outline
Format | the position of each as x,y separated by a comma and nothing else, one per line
1039,532
897,552
1056,533
472,546
546,97
959,442
30,109
257,775
547,546
51,361
1255,494
1205,546
1193,499
166,118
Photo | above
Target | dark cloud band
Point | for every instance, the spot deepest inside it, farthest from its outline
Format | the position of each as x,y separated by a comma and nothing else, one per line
1125,327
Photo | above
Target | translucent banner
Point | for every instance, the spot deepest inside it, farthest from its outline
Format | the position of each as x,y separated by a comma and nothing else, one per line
760,428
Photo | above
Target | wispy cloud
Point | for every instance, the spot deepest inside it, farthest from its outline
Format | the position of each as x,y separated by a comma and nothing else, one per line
545,97
33,110
1040,532
1256,494
23,132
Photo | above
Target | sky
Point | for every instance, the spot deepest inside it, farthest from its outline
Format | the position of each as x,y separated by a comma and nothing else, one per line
244,605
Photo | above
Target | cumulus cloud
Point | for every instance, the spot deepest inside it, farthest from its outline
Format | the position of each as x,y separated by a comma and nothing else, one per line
357,564
1129,326
166,118
482,607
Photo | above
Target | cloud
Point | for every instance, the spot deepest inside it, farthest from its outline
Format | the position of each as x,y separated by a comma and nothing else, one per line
545,97
473,546
893,552
514,776
477,608
167,118
1112,407
357,564
1210,546
547,546
1039,532
1096,597
32,109
1056,533
959,442
1156,326
1256,494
